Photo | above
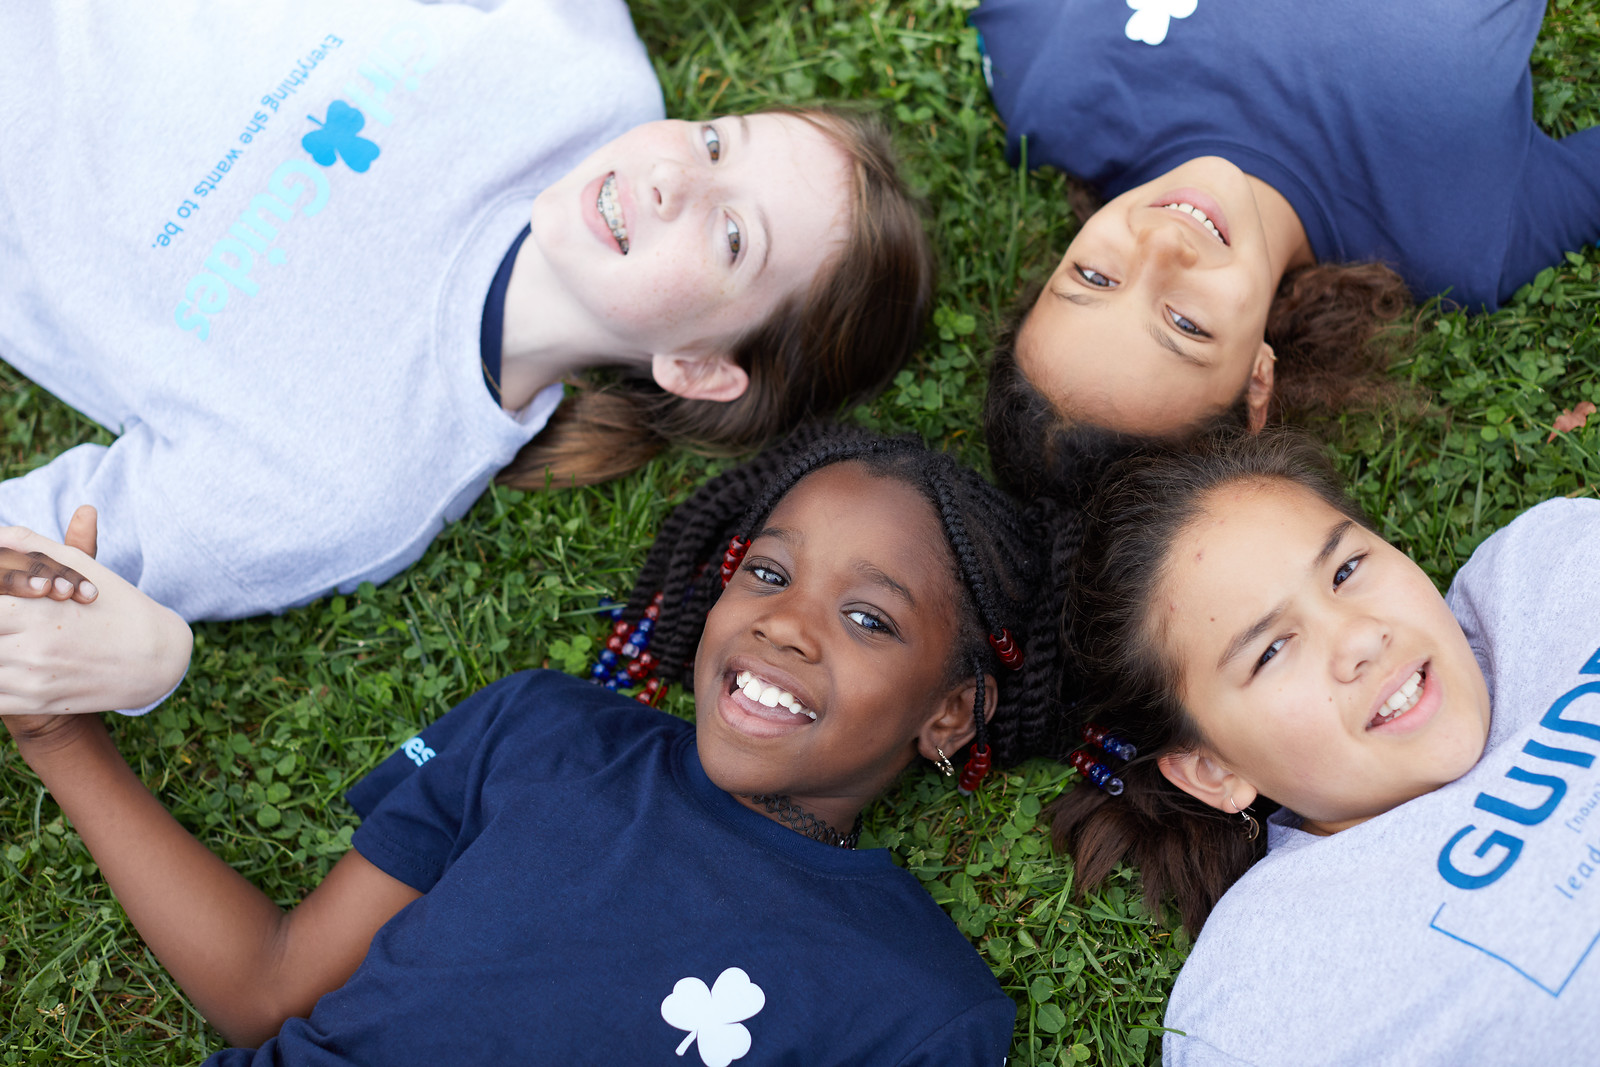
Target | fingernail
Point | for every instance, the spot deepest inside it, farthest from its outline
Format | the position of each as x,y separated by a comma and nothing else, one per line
88,590
63,586
38,583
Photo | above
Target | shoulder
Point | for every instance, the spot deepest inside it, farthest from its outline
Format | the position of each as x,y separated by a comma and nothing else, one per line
1538,570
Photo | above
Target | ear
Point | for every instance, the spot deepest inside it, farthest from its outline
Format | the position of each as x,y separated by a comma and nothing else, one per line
1201,776
1258,394
699,377
951,726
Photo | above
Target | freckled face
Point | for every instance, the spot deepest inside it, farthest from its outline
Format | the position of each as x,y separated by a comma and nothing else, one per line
722,220
844,605
1154,318
1320,664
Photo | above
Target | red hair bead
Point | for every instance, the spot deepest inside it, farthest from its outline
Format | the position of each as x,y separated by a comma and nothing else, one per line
1005,646
620,628
651,693
972,774
733,556
614,643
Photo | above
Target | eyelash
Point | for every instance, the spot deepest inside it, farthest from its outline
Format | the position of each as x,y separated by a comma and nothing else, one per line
866,620
1348,569
1186,325
1085,272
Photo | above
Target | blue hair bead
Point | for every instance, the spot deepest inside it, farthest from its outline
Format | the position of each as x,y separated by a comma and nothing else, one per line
608,657
600,672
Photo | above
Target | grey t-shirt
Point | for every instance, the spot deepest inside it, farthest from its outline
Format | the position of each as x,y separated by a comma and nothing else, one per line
1457,928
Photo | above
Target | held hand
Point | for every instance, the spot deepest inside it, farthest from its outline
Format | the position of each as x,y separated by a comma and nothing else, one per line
34,574
123,651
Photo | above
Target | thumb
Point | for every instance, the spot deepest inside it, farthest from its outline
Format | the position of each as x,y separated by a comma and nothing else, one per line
82,532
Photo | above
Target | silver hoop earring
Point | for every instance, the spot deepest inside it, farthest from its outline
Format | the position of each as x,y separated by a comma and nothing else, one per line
1251,829
946,768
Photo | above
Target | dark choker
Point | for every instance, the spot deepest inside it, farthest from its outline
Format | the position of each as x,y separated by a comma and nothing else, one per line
804,822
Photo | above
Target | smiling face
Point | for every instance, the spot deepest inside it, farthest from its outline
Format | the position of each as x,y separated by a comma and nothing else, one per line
677,237
1320,664
1155,317
839,625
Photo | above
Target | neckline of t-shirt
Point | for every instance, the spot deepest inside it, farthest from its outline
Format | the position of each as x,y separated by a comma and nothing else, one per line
760,830
1314,216
458,321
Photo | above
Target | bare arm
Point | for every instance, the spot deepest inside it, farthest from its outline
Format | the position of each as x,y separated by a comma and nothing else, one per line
247,965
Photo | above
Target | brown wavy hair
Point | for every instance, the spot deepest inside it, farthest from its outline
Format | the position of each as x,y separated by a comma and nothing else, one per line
1335,328
1184,849
838,341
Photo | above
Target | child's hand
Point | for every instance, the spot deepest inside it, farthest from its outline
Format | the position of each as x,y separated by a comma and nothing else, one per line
34,574
123,651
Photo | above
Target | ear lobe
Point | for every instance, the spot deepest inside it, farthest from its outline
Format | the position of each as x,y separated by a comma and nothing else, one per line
1258,394
1208,781
952,727
699,377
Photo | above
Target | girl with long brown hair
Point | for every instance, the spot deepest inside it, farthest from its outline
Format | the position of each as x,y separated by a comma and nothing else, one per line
1372,803
320,347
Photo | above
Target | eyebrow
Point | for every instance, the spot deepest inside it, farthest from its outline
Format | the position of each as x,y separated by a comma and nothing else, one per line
1263,624
1161,337
877,576
761,212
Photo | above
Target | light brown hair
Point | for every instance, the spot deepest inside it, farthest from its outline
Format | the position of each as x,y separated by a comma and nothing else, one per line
839,340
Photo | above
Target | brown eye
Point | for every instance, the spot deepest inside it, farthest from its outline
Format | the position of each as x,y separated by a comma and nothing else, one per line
713,142
733,238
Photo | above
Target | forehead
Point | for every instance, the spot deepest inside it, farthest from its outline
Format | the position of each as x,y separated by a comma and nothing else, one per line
1252,545
850,514
799,178
1099,362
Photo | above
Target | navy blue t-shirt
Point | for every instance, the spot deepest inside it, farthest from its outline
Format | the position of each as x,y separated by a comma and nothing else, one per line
592,897
1399,131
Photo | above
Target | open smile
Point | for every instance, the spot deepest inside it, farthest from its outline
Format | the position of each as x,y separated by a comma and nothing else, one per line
1409,705
759,702
1200,207
609,204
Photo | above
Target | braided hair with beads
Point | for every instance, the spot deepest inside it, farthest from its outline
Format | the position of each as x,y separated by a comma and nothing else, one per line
1010,607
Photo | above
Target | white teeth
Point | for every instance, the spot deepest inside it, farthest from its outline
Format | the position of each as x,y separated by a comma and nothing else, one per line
1200,216
770,695
611,211
1403,699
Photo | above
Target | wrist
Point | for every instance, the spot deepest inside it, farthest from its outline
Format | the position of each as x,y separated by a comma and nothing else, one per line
45,738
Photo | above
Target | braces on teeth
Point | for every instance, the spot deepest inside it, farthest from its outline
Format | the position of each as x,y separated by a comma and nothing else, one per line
770,695
611,211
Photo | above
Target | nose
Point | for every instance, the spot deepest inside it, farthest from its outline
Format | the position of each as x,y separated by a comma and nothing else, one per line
1166,245
1359,643
789,624
673,188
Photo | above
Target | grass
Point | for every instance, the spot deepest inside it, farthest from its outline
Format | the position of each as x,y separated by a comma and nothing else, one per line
279,715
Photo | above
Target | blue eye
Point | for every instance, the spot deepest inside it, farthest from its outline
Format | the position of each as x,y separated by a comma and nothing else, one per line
713,142
867,621
1272,650
1346,569
733,238
1094,277
1185,324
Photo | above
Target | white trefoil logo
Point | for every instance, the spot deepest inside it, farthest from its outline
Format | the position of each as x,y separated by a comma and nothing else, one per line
715,1016
1152,17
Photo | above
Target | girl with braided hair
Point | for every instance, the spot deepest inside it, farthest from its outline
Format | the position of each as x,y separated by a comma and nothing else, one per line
589,879
1420,891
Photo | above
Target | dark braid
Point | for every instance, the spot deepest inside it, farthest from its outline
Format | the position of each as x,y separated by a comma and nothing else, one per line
999,562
